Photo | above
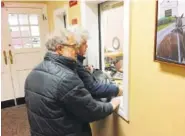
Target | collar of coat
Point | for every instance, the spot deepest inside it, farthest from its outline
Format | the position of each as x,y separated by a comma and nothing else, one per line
80,58
70,63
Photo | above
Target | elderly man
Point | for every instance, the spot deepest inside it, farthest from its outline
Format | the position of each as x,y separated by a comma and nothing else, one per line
58,103
98,90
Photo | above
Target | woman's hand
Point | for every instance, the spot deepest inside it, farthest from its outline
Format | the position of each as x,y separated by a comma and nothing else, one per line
120,93
89,68
115,102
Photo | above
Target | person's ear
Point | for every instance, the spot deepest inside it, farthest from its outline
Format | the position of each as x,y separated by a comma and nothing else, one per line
59,49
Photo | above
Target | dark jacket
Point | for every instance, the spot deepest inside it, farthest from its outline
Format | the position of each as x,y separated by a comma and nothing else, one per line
57,102
97,89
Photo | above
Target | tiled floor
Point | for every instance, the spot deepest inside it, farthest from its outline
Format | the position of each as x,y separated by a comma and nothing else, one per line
14,121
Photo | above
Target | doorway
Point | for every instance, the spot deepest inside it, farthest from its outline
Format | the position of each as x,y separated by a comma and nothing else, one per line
111,27
23,36
91,19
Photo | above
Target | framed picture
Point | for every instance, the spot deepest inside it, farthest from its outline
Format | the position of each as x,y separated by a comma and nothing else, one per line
170,32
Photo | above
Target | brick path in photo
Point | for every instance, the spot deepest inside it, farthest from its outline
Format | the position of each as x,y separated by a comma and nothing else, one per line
162,33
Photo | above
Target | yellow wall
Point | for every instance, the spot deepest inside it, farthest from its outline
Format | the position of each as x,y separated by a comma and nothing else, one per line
157,91
73,12
51,6
25,1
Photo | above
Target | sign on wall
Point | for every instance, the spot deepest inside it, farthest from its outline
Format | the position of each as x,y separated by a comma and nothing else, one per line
168,13
2,4
73,3
74,21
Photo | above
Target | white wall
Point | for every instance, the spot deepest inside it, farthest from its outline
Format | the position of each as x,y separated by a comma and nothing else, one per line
111,26
90,22
181,8
113,23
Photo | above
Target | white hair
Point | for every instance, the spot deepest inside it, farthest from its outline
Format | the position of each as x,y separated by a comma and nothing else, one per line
59,37
74,35
80,33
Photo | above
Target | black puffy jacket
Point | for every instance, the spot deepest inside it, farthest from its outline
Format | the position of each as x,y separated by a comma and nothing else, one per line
57,102
95,87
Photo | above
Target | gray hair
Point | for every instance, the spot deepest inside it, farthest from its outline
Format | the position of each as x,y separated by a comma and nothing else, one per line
80,33
58,37
61,37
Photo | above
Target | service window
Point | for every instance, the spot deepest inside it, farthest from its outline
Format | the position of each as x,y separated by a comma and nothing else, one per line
114,47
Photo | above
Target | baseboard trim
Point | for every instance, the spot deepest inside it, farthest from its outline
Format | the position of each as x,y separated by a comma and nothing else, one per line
7,103
20,100
11,103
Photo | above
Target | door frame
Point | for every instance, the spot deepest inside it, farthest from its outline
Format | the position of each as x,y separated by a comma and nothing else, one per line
45,25
5,68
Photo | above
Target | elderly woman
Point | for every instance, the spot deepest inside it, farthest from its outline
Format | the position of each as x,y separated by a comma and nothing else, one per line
58,103
97,89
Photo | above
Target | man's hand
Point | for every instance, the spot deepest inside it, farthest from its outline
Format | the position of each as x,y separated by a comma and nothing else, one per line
120,93
115,102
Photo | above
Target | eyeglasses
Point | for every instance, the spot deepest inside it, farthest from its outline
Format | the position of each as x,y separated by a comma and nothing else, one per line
74,46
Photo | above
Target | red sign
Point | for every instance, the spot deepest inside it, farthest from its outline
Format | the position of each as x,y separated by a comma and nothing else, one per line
2,4
74,21
72,3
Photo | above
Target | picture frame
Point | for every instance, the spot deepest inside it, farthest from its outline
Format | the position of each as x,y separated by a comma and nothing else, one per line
170,32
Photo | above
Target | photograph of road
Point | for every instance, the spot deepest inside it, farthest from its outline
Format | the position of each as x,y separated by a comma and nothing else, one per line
170,35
